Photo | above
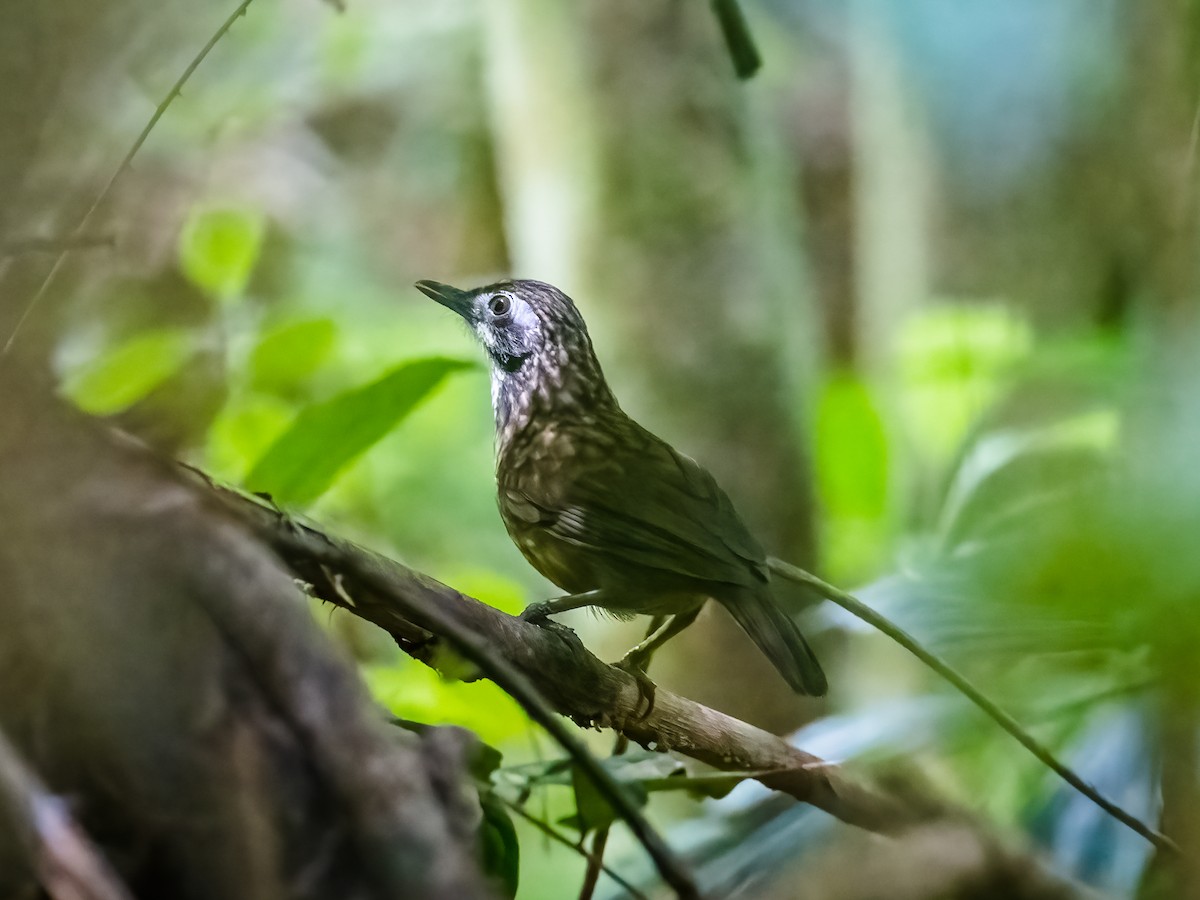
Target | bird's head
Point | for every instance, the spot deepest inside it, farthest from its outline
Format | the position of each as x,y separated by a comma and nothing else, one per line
517,321
536,341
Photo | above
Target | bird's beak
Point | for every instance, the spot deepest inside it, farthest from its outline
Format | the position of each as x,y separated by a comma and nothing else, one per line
449,297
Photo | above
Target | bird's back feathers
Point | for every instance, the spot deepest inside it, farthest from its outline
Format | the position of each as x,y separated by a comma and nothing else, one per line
631,496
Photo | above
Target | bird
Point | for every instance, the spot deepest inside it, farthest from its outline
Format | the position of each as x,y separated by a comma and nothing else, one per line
601,507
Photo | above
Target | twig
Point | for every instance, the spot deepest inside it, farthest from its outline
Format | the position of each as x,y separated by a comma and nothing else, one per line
78,231
555,835
21,246
995,713
600,841
471,644
591,876
739,40
67,863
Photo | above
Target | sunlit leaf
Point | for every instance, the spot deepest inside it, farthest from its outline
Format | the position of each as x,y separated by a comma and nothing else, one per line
290,353
219,247
852,456
326,437
130,371
951,361
852,473
415,691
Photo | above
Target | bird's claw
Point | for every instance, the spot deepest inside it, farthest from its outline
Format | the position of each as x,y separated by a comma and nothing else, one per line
536,612
635,664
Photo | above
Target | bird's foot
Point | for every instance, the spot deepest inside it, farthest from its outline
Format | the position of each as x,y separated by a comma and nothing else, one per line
537,612
634,663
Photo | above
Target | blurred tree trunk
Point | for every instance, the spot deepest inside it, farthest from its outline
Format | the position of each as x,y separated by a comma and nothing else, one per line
158,667
689,269
891,176
690,285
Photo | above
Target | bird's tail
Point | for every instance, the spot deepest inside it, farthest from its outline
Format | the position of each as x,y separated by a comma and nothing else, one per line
779,638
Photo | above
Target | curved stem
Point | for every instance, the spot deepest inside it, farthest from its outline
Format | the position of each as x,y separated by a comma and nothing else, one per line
857,608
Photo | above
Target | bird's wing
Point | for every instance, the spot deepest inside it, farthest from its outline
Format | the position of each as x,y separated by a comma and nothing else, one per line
639,500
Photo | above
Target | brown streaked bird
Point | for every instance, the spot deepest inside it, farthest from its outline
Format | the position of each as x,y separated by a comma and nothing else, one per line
600,506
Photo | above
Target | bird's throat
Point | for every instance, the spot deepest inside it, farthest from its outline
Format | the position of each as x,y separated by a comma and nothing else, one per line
539,392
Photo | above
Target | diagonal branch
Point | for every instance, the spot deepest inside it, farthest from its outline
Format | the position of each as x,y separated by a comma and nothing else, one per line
75,241
417,611
346,575
856,607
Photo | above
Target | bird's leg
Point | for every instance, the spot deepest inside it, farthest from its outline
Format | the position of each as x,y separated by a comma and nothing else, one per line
535,612
637,660
659,633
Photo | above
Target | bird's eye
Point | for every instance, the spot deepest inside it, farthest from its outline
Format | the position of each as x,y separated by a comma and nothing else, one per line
499,305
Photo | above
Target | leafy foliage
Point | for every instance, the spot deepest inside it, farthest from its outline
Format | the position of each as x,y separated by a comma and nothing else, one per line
326,437
640,772
219,247
125,374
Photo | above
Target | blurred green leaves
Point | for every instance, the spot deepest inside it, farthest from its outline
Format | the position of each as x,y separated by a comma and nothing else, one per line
128,372
290,353
640,772
412,690
219,247
852,473
952,360
326,437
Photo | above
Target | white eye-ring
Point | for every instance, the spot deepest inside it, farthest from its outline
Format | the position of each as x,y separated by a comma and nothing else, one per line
499,305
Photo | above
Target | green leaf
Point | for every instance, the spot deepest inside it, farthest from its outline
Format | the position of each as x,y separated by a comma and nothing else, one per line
414,691
219,247
713,785
526,776
851,450
127,373
592,809
499,847
290,353
326,437
852,469
1079,444
243,431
